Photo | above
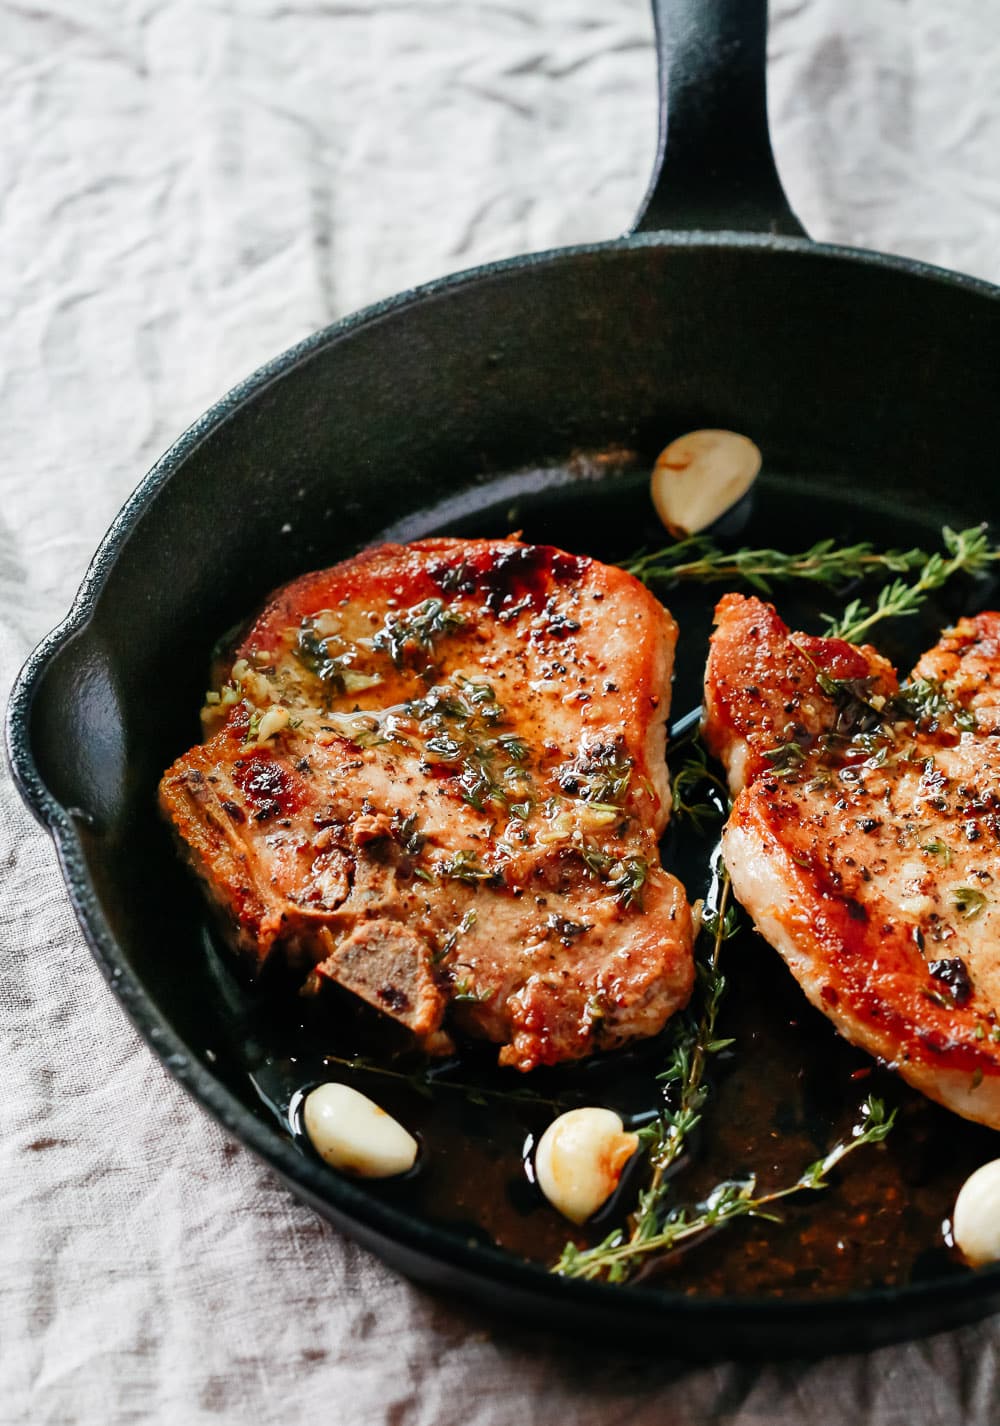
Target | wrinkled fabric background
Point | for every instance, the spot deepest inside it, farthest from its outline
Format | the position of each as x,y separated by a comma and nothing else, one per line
185,189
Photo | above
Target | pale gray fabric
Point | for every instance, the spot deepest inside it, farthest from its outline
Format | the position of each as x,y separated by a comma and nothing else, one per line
185,189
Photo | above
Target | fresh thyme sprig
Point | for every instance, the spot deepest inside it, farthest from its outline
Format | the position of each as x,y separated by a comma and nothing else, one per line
618,1255
425,1079
695,1043
667,1136
699,795
700,559
965,552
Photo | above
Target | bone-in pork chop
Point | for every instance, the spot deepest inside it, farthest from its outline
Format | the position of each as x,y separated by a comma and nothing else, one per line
864,838
434,774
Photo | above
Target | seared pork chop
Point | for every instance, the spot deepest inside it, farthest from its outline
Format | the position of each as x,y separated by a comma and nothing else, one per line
435,775
864,838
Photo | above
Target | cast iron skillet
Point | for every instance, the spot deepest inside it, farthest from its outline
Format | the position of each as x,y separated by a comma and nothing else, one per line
870,382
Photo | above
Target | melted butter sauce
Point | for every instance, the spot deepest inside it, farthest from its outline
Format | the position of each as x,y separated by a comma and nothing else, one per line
787,1090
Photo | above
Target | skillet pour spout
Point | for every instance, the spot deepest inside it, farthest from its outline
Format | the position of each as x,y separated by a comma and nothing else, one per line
869,381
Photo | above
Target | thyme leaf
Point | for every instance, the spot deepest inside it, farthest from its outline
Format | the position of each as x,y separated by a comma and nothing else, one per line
968,901
405,831
464,866
451,941
786,758
465,989
867,719
939,849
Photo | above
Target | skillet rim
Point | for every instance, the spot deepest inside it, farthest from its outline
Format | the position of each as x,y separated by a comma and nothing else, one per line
476,1264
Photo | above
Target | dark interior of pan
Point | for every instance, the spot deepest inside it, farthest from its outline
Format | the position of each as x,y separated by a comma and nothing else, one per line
531,394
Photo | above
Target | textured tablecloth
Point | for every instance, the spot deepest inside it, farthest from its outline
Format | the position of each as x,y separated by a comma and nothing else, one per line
185,189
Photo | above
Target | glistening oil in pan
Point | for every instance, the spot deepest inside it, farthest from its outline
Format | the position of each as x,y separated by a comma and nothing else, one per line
785,1092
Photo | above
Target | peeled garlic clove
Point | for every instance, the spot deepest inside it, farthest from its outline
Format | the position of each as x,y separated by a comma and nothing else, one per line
580,1158
700,476
351,1133
975,1223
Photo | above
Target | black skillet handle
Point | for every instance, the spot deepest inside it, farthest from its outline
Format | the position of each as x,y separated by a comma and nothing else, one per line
714,165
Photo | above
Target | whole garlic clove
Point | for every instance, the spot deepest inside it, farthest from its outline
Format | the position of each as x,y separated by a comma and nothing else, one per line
351,1133
975,1223
700,476
580,1158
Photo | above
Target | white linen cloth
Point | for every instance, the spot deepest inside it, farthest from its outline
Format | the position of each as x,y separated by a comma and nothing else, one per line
185,189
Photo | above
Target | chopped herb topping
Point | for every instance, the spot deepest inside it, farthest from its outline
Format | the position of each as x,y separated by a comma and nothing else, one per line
464,866
465,989
515,748
449,943
476,783
856,712
625,875
409,631
925,703
330,660
938,849
866,722
785,759
440,703
483,699
404,830
969,902
600,773
458,725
